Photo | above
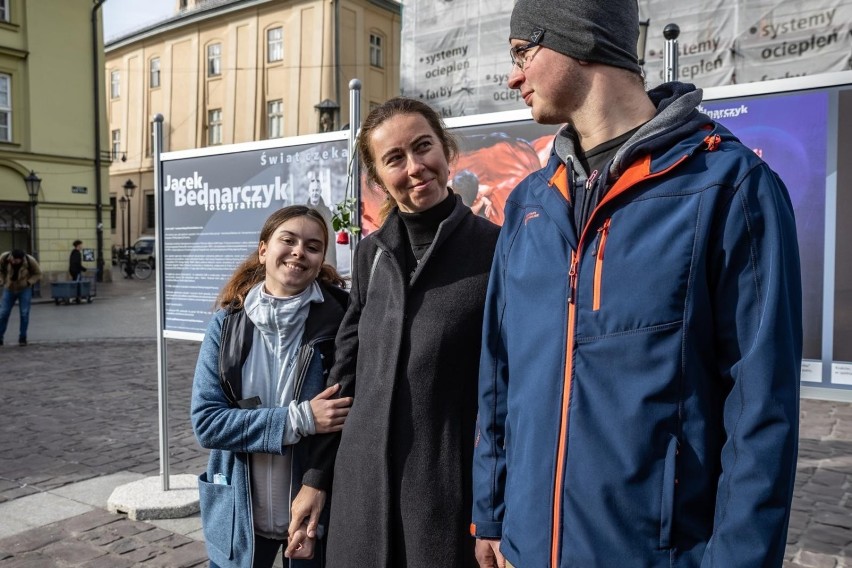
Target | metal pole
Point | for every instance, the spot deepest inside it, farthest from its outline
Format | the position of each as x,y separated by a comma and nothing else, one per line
122,202
33,227
129,241
670,32
354,128
96,94
162,361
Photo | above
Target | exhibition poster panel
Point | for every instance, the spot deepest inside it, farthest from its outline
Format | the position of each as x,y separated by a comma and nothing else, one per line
215,205
790,133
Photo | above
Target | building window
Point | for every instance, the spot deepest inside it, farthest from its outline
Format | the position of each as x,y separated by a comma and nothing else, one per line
112,214
376,55
150,211
184,4
155,73
274,45
274,119
114,85
4,11
149,139
214,127
214,60
116,144
5,108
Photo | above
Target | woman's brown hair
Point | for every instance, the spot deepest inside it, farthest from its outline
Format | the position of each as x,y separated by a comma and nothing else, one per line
251,270
385,111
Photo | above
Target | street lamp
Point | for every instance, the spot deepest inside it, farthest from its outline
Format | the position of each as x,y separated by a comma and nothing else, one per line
129,187
33,183
122,204
327,111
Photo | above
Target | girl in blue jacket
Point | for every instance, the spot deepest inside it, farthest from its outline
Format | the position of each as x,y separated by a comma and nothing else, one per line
259,391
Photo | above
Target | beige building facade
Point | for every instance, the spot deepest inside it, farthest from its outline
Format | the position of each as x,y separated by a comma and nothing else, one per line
229,71
48,124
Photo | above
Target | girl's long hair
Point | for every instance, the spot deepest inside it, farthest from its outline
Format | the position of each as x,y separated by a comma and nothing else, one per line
251,270
385,111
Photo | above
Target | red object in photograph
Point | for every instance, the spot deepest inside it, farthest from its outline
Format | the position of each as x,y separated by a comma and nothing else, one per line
343,238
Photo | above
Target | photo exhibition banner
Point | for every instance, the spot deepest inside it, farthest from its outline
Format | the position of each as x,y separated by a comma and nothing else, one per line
215,205
216,199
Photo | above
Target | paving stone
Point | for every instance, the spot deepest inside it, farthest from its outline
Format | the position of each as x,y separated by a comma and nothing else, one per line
189,556
29,561
33,539
108,561
123,545
834,518
99,538
72,552
808,559
832,494
91,520
142,554
17,493
154,535
174,541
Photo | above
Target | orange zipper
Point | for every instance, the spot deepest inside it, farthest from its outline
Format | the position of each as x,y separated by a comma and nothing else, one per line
566,397
602,235
636,173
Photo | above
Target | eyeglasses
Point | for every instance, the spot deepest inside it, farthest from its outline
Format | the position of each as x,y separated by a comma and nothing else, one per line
517,52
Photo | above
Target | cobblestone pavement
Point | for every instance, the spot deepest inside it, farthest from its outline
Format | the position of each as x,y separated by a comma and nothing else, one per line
820,534
80,410
76,411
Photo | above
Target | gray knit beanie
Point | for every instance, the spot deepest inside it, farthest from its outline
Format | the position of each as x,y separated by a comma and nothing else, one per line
599,31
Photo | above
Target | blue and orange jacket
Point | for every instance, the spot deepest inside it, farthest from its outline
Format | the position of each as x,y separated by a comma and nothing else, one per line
639,382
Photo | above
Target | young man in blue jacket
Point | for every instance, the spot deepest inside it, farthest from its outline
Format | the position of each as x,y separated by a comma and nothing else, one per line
639,382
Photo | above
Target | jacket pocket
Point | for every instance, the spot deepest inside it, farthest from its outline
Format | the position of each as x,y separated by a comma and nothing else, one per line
603,232
668,494
217,503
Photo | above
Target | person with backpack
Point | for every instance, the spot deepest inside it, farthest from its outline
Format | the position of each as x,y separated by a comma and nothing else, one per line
18,273
259,391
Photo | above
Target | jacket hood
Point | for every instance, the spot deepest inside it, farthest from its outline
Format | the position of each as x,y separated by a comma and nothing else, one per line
677,116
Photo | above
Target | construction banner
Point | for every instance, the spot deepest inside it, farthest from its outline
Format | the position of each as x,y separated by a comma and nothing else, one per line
455,53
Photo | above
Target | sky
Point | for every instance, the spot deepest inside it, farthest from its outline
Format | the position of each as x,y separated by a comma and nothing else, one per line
122,16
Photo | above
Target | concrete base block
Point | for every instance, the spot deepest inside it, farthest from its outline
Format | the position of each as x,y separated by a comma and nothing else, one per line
145,499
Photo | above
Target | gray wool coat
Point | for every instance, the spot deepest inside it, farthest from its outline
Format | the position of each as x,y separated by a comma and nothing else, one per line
408,351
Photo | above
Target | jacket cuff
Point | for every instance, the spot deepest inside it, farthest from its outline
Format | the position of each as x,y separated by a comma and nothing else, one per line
317,479
486,530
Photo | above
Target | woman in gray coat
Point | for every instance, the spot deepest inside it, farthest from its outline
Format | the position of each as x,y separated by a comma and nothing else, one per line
408,351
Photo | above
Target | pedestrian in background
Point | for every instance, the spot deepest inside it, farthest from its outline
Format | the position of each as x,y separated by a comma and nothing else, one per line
18,273
642,345
408,352
75,265
259,392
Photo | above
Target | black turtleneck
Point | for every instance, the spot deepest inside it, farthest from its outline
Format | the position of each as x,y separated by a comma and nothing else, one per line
422,228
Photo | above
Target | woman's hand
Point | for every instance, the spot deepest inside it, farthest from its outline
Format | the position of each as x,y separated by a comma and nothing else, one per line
330,413
299,546
304,518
